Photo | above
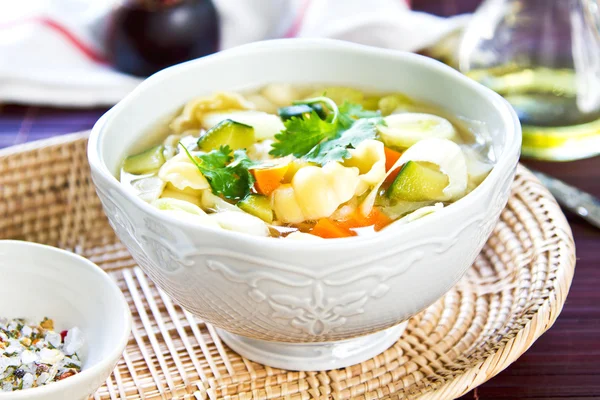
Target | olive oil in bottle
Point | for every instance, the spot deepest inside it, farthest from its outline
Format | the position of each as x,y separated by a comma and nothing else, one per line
543,57
556,124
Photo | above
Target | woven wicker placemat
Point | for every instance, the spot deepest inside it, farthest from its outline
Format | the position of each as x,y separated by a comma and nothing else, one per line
512,294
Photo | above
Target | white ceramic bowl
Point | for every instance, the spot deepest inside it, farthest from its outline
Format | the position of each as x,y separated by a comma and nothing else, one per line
38,281
263,292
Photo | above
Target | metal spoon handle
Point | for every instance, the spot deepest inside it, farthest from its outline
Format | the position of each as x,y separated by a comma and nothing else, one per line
581,203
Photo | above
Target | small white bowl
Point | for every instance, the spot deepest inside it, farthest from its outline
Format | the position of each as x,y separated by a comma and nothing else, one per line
41,281
305,305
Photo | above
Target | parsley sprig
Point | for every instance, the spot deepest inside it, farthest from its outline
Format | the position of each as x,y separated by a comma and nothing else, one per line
336,149
322,141
228,176
301,135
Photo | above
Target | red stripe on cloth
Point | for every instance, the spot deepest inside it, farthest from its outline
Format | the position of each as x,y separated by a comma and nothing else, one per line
63,31
297,24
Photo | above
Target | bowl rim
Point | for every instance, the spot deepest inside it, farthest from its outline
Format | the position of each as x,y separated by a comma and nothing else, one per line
508,116
113,356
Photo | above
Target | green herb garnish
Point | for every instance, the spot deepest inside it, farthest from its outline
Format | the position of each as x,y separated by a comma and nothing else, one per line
228,176
302,134
322,141
350,112
336,149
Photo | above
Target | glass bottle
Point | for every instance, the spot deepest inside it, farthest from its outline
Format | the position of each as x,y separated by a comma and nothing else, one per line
543,56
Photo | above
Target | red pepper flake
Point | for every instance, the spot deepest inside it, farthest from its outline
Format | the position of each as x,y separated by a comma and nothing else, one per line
66,374
63,334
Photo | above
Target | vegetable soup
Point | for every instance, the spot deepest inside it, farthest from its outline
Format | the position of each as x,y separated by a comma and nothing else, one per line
299,162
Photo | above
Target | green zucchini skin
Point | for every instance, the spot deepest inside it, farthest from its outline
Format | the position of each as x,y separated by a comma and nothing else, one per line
300,110
227,133
145,162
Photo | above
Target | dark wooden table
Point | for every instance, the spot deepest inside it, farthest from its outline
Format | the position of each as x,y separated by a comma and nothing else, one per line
563,364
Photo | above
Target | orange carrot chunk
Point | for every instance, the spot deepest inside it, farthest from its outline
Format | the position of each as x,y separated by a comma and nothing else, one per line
391,156
329,229
268,179
376,218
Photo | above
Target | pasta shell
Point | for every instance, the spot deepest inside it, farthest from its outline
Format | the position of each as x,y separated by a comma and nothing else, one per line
193,111
302,236
285,205
241,222
183,209
172,193
180,172
149,188
405,129
210,202
342,180
313,194
420,213
369,158
320,191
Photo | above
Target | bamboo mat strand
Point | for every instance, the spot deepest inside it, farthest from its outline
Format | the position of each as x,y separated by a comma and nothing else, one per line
512,294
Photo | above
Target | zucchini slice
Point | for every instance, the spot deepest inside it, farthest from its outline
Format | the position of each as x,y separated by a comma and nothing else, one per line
227,133
301,110
145,162
418,182
257,205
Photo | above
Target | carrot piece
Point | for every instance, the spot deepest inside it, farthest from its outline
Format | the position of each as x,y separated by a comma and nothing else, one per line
329,229
268,179
391,156
376,218
354,220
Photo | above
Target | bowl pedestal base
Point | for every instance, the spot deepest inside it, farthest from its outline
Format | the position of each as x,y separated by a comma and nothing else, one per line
313,356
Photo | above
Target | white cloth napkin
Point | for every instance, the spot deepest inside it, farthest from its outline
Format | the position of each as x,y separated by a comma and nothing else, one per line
51,51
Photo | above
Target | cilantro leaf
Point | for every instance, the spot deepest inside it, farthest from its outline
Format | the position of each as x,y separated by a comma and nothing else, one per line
231,180
301,135
240,158
214,159
321,141
328,151
349,112
241,168
337,148
360,130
